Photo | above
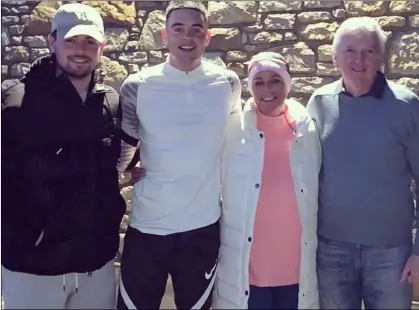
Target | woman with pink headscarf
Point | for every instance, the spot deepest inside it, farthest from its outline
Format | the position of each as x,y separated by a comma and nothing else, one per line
270,172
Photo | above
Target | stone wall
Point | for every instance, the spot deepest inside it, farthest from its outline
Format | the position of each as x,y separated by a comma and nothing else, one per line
301,30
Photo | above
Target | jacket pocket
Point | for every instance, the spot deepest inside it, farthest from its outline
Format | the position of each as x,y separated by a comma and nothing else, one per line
242,157
22,222
241,164
107,151
70,208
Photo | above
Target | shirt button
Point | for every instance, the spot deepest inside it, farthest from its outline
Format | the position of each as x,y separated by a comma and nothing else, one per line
302,190
249,239
246,293
257,185
261,135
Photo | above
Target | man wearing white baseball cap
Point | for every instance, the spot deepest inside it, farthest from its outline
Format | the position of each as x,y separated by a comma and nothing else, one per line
76,19
77,25
61,204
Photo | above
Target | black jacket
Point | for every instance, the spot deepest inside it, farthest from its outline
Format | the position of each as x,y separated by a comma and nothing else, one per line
58,174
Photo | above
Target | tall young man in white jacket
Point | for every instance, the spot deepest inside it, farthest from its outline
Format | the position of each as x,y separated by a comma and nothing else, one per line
178,111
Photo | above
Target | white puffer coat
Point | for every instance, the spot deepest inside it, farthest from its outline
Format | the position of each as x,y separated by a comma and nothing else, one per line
242,164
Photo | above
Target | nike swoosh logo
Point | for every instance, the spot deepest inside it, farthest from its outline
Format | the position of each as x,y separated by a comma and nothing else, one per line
209,275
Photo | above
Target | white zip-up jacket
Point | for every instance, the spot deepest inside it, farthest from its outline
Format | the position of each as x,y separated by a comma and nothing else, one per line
242,164
179,119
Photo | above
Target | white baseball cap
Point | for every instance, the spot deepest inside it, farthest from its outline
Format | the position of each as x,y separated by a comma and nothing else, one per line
76,19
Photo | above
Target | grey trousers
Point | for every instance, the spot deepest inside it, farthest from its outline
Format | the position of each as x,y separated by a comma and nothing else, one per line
70,291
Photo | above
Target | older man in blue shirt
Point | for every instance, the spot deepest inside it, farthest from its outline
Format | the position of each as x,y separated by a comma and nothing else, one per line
369,131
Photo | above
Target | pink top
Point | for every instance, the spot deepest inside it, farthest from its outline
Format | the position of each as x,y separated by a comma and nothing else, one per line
276,250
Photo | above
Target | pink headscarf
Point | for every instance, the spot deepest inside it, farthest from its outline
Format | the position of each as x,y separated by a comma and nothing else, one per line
268,61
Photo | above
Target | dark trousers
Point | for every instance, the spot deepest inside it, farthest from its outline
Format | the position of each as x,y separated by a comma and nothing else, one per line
277,297
189,257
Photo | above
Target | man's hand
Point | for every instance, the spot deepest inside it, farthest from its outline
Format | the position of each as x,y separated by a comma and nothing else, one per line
137,173
411,270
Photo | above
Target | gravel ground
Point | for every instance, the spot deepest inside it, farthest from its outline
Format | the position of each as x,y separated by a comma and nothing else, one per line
167,302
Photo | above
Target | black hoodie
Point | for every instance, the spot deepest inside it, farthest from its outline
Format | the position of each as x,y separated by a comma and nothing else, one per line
58,175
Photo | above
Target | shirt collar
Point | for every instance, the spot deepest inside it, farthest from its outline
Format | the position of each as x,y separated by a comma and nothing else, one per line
195,72
376,91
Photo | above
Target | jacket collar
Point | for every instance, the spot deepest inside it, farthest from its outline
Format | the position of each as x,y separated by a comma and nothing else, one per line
376,91
295,114
44,72
168,67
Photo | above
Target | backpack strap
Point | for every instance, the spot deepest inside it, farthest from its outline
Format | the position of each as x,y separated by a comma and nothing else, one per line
112,100
113,108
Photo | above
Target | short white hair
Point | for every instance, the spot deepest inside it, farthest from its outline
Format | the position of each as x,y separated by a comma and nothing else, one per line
357,24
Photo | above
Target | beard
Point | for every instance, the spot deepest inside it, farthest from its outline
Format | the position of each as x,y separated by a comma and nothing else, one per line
73,72
76,74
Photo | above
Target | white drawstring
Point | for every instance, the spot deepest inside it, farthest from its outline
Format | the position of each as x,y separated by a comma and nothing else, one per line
77,283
